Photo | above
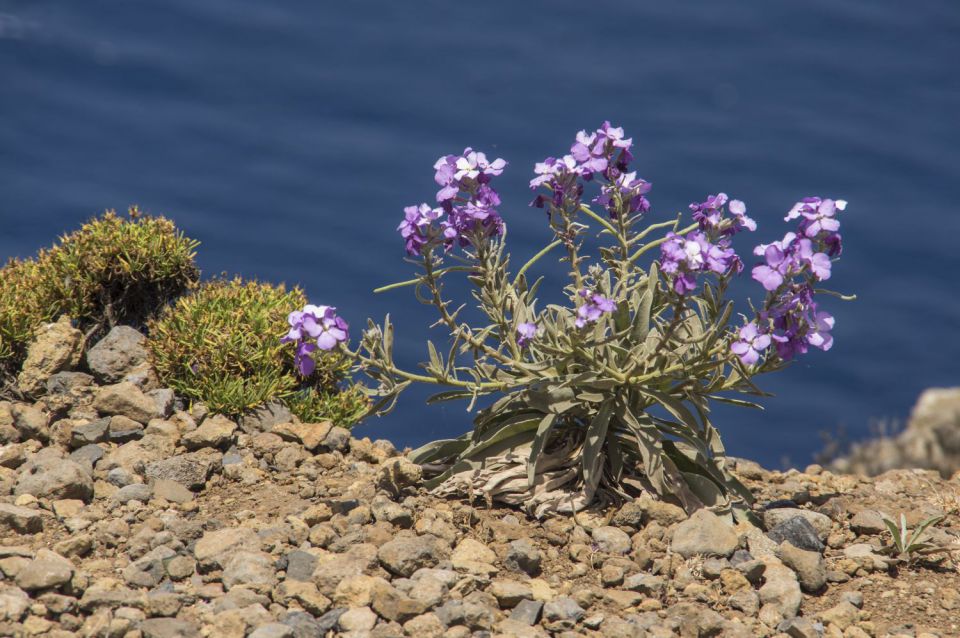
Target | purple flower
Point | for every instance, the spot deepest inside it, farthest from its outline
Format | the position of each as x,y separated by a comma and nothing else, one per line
614,135
790,257
631,191
596,306
684,256
751,343
710,215
474,165
417,227
526,332
817,216
819,334
319,323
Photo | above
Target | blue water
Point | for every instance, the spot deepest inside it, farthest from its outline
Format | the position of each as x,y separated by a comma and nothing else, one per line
287,136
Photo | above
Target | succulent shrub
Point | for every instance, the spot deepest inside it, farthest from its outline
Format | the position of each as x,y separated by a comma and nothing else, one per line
111,271
220,345
608,393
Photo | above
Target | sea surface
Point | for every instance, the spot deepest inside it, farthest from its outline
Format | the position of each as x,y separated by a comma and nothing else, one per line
288,136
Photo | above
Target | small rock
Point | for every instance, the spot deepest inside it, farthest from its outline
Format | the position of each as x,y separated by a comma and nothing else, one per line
798,532
562,613
821,523
799,628
133,492
405,555
611,540
54,478
123,429
46,571
810,567
190,470
20,519
398,473
216,431
55,347
264,418
253,570
474,557
89,433
527,612
337,440
168,628
781,590
510,593
216,547
357,619
867,522
272,630
841,615
128,400
171,491
120,352
704,533
12,456
523,556
310,435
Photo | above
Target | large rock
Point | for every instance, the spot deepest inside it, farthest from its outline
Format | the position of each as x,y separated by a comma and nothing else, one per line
781,590
215,431
56,347
253,570
54,478
118,354
820,522
214,549
405,555
20,519
810,567
704,533
190,470
47,571
128,400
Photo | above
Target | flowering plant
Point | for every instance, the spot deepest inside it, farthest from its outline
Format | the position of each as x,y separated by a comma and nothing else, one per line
608,394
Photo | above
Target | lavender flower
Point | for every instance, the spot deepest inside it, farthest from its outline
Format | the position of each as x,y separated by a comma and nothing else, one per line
751,344
526,332
710,215
817,215
417,227
685,256
790,257
631,191
319,323
595,307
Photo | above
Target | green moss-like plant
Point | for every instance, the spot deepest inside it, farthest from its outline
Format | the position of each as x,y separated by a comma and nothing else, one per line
110,271
221,345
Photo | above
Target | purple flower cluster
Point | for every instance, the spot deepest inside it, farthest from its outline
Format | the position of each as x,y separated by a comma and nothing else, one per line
709,248
604,153
526,332
790,319
467,204
319,323
595,306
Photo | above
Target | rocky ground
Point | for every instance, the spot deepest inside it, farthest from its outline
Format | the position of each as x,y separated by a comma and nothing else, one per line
126,513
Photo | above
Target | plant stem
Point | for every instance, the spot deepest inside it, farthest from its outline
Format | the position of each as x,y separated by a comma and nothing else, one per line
656,243
535,259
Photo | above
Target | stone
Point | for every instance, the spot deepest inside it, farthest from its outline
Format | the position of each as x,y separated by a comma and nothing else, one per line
163,399
474,557
306,626
810,567
87,456
272,630
799,628
123,429
264,418
126,399
20,519
666,514
819,522
120,352
12,456
527,612
405,555
562,613
30,422
89,433
424,626
746,600
385,510
841,615
169,628
781,590
121,477
704,533
47,571
216,547
180,567
253,570
647,584
523,556
190,470
310,435
867,522
611,540
357,619
337,440
55,347
397,474
390,603
509,593
68,382
305,594
171,491
300,565
133,492
798,532
54,478
215,431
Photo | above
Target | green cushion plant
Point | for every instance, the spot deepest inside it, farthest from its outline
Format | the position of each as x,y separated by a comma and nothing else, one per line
113,270
220,345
